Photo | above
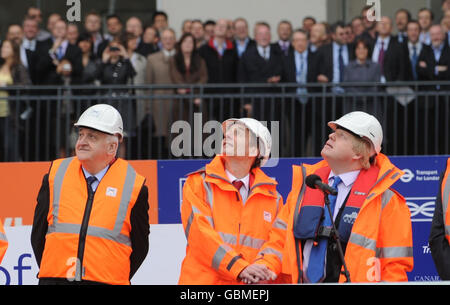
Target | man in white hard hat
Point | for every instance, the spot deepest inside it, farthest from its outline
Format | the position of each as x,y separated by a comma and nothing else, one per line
229,207
372,219
91,219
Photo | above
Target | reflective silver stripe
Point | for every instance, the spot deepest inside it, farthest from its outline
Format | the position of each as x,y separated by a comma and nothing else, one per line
188,225
386,197
394,252
57,185
251,242
3,237
278,201
270,250
114,234
228,238
92,231
127,190
300,198
363,241
279,224
445,199
219,256
191,219
209,198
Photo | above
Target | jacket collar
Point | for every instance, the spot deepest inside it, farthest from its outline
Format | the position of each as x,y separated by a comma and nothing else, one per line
215,173
387,175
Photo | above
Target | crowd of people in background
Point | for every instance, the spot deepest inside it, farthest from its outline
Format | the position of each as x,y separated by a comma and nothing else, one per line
222,51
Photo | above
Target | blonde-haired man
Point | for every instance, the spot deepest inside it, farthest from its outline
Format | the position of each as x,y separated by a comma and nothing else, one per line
373,220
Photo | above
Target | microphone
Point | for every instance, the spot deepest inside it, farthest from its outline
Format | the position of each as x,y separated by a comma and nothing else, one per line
315,182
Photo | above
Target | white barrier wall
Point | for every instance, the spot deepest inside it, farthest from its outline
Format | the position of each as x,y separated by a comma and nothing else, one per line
253,10
161,266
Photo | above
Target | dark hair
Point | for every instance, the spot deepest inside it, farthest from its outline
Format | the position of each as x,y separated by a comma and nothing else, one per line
428,10
364,41
179,59
159,13
111,16
209,22
404,10
413,21
16,54
337,25
310,18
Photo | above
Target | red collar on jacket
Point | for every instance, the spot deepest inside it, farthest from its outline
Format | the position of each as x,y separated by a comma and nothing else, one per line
229,44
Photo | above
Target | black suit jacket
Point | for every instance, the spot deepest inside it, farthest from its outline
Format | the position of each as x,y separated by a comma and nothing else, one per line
428,73
289,69
255,69
47,70
250,43
394,66
325,60
408,64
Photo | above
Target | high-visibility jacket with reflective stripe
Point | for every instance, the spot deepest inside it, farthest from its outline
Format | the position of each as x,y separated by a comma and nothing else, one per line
445,193
3,242
107,248
380,243
223,234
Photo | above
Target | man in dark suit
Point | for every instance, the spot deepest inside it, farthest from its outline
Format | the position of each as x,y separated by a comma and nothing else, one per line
284,37
331,59
54,56
335,56
242,41
299,67
221,62
59,63
434,65
28,47
389,53
414,49
261,63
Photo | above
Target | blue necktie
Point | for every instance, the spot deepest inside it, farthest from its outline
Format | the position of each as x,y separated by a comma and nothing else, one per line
59,53
90,180
317,258
414,62
341,65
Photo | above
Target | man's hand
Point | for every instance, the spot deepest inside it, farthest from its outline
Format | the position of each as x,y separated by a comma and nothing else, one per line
274,79
322,78
254,273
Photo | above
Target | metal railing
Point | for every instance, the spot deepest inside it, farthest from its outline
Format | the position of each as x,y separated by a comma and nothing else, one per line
36,122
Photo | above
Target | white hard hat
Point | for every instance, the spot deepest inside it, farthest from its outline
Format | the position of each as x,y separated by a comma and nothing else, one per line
260,131
102,117
363,125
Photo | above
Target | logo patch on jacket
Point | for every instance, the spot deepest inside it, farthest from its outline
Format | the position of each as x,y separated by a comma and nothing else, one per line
111,191
267,216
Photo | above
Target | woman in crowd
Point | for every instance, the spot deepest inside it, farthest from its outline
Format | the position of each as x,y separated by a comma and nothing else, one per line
188,67
362,69
12,72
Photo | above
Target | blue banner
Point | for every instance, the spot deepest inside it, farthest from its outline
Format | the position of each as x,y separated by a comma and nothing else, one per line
419,186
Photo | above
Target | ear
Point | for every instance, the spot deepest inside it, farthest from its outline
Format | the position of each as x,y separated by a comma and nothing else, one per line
112,148
356,157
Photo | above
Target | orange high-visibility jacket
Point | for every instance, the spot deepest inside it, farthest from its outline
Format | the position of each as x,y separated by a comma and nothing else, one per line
380,243
445,195
3,242
107,247
223,234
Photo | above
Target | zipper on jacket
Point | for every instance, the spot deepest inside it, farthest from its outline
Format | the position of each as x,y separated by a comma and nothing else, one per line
82,236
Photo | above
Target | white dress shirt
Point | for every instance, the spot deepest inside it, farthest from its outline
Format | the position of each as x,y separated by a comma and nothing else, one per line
245,188
99,177
343,189
264,52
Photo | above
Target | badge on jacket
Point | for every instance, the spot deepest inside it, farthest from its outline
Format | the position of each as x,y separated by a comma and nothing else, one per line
111,191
